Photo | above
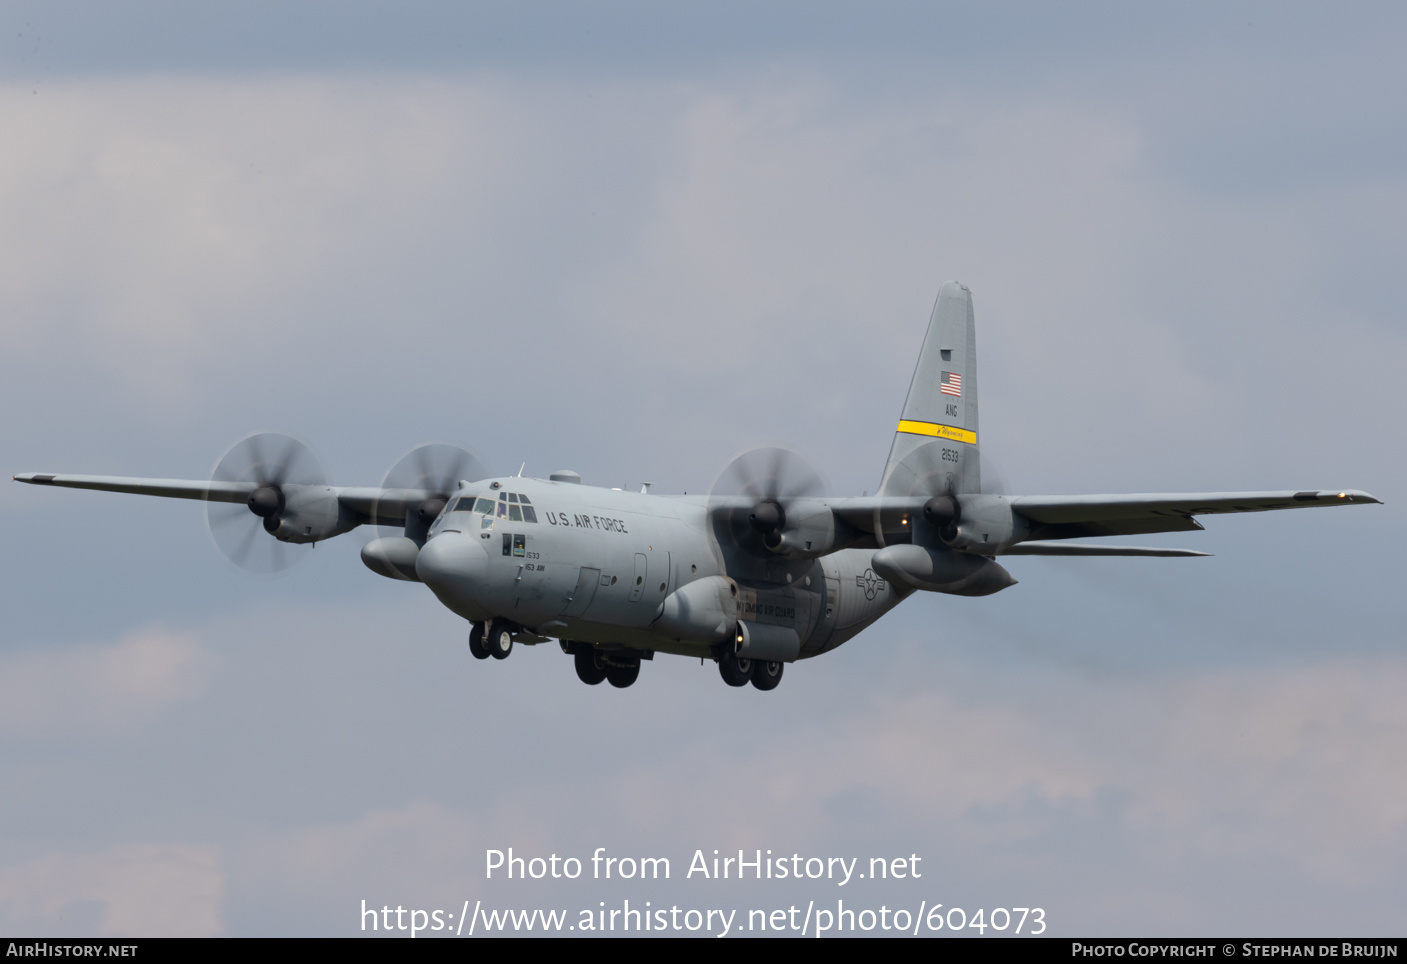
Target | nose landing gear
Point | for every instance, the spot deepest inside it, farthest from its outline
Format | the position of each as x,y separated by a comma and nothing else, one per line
494,639
500,639
476,641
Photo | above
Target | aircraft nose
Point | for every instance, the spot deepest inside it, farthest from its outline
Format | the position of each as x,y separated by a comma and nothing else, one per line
453,566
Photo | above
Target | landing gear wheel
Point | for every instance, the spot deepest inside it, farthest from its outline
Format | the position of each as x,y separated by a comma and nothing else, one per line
476,641
500,639
622,676
766,674
588,665
735,670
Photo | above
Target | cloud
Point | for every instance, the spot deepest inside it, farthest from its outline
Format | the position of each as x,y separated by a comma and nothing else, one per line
1295,765
84,691
420,854
271,250
134,890
153,224
1295,762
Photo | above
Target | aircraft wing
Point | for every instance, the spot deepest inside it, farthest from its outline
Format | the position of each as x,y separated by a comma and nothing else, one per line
1053,517
1079,549
1072,516
381,506
207,491
377,505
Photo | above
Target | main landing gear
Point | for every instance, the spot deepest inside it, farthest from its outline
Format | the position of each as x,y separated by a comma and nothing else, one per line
620,668
589,667
739,671
594,666
495,639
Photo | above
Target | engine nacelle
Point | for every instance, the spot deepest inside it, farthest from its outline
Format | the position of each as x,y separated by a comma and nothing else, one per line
309,513
393,557
705,609
941,570
808,536
983,524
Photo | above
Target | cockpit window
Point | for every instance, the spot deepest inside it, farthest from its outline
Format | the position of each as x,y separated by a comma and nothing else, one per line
513,506
465,504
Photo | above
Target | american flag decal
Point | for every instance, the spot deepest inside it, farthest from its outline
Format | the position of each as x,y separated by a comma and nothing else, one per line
950,384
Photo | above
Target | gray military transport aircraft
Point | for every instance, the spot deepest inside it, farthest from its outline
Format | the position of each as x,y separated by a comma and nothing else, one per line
763,571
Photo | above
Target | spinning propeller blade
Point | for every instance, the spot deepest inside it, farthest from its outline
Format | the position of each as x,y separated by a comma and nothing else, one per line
269,462
437,468
750,500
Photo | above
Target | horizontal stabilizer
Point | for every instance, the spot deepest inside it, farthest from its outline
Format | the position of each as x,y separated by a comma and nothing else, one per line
1078,549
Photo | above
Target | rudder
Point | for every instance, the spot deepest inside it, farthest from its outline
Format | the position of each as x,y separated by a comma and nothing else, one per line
935,444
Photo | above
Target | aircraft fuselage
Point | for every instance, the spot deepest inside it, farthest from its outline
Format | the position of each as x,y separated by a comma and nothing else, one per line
596,565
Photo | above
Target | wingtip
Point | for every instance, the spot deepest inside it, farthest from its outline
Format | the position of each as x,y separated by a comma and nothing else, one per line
1344,497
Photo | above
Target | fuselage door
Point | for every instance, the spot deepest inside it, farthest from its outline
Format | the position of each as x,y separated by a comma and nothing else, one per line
584,592
642,575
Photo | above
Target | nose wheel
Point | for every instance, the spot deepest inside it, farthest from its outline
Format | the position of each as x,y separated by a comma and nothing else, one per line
476,641
491,639
500,639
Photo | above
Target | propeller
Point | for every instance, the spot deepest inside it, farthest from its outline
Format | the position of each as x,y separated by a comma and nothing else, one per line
925,473
437,468
993,478
269,462
750,500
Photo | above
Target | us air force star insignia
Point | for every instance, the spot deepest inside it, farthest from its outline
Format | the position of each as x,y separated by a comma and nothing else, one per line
870,583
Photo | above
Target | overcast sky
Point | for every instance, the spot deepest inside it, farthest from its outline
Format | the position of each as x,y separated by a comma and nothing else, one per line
634,239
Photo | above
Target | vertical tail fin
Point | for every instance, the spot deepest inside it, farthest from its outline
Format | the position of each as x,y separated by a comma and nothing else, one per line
935,445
